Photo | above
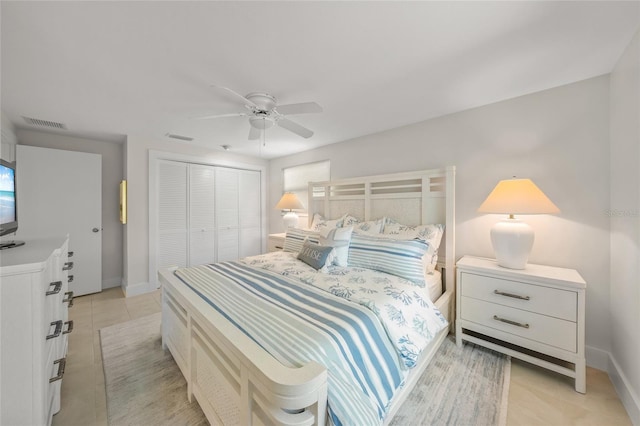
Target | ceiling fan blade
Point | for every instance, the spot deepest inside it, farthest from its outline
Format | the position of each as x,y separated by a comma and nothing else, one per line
295,128
302,108
237,95
254,133
234,114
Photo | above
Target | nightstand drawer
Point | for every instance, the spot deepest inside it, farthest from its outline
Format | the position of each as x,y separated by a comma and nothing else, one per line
275,242
533,298
540,328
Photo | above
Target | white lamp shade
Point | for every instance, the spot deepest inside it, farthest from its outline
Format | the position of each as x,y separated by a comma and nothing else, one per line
289,201
512,239
517,196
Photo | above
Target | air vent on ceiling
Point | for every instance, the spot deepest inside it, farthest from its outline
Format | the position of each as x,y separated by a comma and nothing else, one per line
44,123
179,137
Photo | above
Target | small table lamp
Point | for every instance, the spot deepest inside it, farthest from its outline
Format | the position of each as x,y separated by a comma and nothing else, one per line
289,201
512,239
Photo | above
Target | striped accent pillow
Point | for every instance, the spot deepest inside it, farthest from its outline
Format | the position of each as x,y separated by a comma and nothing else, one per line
402,258
295,238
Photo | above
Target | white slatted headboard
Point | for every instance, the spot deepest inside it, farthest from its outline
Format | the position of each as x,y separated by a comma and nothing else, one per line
411,198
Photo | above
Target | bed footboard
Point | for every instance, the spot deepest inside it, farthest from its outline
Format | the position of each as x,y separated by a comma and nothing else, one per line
233,379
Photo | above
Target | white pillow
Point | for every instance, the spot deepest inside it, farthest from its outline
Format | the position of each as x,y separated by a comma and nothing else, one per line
319,223
338,238
371,227
431,233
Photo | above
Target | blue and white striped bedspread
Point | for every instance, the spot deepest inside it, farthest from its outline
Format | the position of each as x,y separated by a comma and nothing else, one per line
297,323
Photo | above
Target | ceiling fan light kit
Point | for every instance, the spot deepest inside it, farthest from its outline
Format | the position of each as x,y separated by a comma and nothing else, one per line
261,123
264,112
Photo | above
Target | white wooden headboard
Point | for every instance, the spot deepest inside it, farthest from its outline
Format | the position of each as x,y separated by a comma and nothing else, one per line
411,198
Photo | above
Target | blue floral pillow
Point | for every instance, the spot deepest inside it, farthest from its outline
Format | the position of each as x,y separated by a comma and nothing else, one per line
371,227
319,223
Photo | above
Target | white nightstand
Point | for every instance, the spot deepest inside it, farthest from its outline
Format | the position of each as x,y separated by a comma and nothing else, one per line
275,242
534,314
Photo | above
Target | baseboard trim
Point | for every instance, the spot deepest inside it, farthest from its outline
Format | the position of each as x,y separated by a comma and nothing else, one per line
603,360
626,393
138,288
111,282
597,358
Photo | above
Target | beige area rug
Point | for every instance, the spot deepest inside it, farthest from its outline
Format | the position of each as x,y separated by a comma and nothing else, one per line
144,386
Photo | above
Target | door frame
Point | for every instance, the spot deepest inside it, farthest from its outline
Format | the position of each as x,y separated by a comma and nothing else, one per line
154,157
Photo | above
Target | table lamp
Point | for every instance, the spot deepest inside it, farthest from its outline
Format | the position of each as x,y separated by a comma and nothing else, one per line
289,202
512,239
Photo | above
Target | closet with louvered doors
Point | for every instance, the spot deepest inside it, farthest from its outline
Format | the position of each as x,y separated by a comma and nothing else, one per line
206,214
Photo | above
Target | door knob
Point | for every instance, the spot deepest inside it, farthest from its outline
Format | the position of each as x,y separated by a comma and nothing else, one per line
95,230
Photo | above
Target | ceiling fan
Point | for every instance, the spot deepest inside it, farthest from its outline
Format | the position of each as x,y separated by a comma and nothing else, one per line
264,112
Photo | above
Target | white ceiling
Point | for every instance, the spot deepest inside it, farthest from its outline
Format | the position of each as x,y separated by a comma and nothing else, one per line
145,68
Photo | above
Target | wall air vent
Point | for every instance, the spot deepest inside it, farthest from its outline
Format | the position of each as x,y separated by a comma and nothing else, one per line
44,123
179,137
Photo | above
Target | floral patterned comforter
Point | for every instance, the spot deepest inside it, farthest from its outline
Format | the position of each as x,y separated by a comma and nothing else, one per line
410,319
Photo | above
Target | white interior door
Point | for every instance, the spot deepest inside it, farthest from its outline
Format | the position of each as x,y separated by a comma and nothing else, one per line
202,241
172,214
227,214
60,193
250,213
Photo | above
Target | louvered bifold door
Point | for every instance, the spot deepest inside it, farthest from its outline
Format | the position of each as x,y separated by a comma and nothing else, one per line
172,214
250,213
227,213
202,230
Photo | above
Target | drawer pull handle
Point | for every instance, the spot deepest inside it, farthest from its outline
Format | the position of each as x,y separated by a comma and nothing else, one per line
69,327
57,286
62,362
67,266
69,298
57,331
518,324
515,296
69,254
70,278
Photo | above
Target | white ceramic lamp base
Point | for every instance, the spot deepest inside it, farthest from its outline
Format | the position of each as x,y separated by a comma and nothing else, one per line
290,219
512,241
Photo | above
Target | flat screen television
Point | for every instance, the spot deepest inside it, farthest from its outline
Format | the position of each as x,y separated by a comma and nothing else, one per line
8,203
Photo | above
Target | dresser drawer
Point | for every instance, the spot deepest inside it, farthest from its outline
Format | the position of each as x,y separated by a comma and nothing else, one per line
533,298
539,328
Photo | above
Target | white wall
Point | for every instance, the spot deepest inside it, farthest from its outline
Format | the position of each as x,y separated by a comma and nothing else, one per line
136,240
625,228
9,140
558,138
112,172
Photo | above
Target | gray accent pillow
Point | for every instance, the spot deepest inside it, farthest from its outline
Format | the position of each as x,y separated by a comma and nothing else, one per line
316,256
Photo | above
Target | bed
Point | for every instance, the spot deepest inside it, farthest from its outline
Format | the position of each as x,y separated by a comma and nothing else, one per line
248,363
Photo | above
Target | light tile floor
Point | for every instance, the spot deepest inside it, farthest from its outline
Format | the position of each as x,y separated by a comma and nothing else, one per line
83,399
536,396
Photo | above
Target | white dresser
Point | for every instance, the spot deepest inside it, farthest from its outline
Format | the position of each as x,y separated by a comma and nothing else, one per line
34,301
535,314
